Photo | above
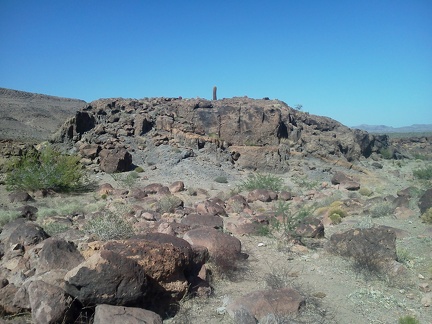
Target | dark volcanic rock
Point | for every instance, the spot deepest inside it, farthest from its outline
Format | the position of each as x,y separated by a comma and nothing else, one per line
116,160
251,133
425,201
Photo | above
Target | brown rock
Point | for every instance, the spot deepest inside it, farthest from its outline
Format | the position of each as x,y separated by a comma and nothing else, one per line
196,220
7,295
121,315
176,186
280,302
115,160
214,206
310,227
19,196
425,201
261,195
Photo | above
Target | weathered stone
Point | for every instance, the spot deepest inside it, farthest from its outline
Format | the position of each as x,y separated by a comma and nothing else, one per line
116,160
19,196
310,227
280,302
27,233
196,220
176,186
51,304
218,244
122,315
107,277
373,246
90,151
261,195
214,206
54,253
425,201
29,212
236,204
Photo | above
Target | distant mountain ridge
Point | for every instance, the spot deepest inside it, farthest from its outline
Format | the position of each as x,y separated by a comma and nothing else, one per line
416,128
26,115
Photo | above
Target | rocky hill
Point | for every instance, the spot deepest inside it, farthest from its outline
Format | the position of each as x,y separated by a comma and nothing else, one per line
382,129
250,133
31,116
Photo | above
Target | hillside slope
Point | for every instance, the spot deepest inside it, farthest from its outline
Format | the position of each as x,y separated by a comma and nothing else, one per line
30,116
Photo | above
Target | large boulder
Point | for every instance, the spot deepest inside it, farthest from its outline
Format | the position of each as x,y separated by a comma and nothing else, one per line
425,201
107,278
115,160
51,304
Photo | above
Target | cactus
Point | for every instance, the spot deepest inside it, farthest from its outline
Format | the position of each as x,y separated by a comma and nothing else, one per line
214,93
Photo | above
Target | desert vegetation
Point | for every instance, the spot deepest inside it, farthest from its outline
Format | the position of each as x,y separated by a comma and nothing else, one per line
180,227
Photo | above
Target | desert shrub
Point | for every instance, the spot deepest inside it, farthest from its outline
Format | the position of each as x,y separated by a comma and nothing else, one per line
263,230
127,181
168,203
382,209
109,226
139,169
387,153
54,228
335,218
278,278
46,169
221,179
423,174
427,216
192,191
262,181
408,320
365,192
7,216
403,256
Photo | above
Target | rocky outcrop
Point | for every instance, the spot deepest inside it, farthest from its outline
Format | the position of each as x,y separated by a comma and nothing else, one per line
257,134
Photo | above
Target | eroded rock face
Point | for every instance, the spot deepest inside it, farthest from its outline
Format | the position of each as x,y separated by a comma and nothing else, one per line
115,160
251,133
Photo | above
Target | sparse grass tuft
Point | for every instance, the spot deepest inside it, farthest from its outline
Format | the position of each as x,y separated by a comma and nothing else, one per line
365,192
54,228
423,174
127,181
408,320
46,169
168,203
262,181
7,216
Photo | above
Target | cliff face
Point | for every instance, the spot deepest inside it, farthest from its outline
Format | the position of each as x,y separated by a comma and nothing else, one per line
258,134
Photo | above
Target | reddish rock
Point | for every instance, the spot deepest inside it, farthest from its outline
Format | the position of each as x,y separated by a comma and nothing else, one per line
177,186
261,195
258,304
310,227
115,160
90,151
7,305
196,220
236,204
214,206
218,244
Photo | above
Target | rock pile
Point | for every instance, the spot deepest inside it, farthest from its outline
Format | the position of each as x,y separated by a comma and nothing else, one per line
250,133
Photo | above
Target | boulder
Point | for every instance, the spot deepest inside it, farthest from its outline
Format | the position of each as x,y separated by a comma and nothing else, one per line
121,315
25,234
115,160
425,201
177,186
7,305
258,304
310,227
19,196
164,258
219,245
54,253
236,204
214,206
196,220
261,195
374,246
51,304
107,278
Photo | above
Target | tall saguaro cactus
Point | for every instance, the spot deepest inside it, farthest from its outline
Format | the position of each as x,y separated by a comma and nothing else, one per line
214,93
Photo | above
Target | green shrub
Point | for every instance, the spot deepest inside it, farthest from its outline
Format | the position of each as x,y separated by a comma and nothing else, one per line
263,181
221,179
169,203
408,320
109,226
139,169
335,218
54,228
365,192
427,216
46,169
7,216
382,209
423,174
387,153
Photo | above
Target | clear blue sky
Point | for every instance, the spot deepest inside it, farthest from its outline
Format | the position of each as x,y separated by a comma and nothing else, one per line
357,61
